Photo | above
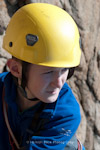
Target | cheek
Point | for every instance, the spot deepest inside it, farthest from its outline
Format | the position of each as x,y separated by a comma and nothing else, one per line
65,77
32,82
46,79
38,84
64,80
43,83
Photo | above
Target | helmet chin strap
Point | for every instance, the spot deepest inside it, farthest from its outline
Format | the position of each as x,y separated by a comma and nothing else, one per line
24,93
22,82
21,88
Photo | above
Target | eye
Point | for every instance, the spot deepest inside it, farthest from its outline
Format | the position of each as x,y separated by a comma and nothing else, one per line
64,69
49,72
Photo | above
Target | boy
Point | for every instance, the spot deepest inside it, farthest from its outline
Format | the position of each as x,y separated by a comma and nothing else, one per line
38,109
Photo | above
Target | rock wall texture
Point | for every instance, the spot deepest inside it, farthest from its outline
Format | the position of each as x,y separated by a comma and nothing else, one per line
86,80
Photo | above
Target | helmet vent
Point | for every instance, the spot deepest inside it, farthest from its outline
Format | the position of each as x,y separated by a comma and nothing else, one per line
10,44
31,39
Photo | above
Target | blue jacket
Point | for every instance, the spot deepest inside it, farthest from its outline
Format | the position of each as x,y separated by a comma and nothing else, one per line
61,119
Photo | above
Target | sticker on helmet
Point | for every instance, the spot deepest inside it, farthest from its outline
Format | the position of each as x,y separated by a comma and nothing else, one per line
31,39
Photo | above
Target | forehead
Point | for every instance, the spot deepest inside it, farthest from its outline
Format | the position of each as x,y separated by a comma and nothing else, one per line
44,68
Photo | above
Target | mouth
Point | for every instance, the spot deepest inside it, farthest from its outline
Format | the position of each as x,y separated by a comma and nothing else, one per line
53,92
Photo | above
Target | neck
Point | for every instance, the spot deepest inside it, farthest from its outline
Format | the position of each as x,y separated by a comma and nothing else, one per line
23,103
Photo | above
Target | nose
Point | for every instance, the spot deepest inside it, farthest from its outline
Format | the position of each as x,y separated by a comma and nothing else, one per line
57,80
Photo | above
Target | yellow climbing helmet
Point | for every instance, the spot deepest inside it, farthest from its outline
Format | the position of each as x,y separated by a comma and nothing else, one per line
43,34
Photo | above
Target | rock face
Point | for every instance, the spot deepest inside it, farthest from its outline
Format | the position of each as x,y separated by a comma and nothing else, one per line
86,80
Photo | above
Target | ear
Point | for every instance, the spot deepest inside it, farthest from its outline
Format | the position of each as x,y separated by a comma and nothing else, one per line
15,67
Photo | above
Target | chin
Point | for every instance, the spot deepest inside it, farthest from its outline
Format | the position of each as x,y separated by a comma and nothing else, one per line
50,100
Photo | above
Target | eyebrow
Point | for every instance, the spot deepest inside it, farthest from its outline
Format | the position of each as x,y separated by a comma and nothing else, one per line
53,68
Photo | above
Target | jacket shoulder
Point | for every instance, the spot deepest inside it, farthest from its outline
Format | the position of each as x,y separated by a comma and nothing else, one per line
66,95
2,76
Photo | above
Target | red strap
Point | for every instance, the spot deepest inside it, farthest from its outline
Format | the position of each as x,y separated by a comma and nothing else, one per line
11,135
79,145
11,142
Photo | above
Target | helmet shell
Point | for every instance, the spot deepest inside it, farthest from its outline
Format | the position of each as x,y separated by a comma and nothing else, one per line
43,34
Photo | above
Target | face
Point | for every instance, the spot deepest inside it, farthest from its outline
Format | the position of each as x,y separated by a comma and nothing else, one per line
45,83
